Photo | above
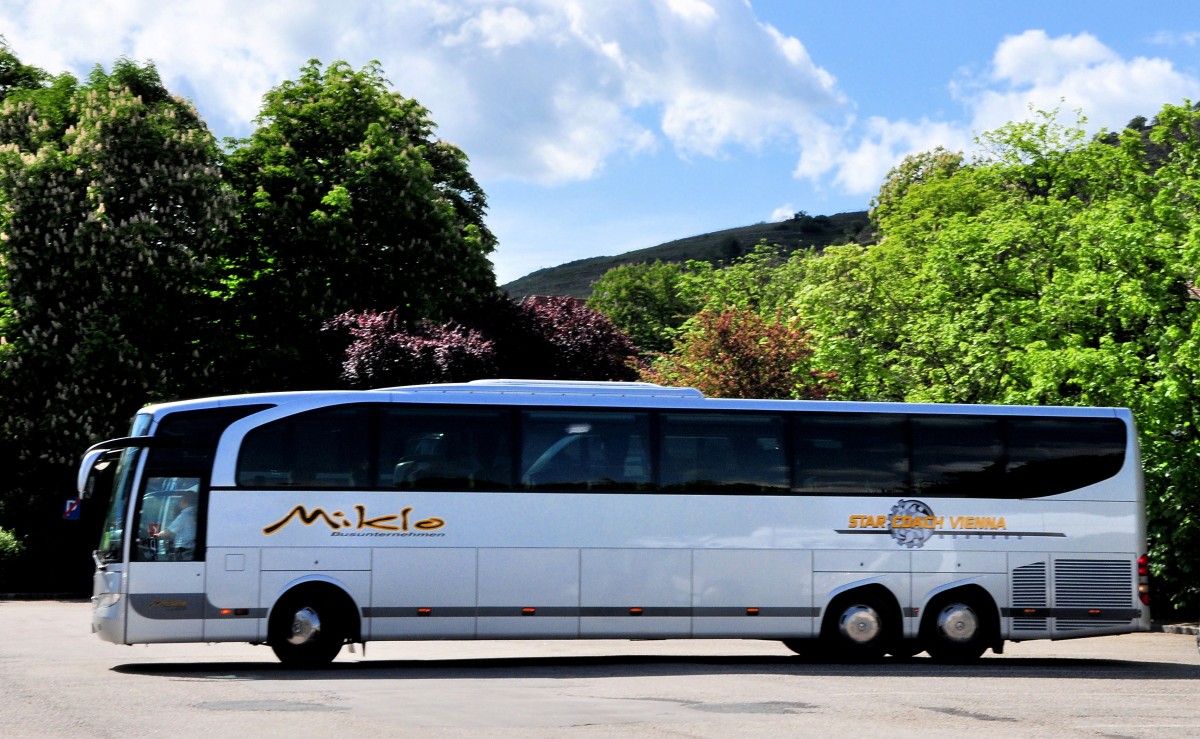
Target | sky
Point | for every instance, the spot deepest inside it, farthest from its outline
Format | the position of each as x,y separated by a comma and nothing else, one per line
596,127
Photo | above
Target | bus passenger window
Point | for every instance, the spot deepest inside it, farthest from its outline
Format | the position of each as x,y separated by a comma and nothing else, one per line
850,454
723,453
1055,455
445,449
321,449
585,450
956,456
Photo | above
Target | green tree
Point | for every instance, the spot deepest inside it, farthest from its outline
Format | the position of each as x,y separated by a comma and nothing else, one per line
16,75
347,202
644,301
753,282
10,550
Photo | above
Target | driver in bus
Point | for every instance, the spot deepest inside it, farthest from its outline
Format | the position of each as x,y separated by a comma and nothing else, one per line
180,534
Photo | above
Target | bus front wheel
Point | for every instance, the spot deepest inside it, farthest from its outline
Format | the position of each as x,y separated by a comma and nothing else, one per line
306,629
858,628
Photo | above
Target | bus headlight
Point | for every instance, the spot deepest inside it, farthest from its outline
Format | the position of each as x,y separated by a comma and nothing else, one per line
105,600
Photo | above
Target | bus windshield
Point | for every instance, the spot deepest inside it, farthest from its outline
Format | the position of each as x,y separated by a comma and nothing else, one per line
112,537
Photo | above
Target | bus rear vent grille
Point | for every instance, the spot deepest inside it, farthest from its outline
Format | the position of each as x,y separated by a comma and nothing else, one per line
1092,583
1029,591
1079,624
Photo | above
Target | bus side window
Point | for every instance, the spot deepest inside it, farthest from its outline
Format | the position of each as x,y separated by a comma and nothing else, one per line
697,462
956,456
1054,455
850,454
422,448
450,464
723,453
324,448
585,450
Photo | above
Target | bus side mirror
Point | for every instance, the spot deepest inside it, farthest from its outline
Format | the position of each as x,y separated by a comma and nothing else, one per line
99,456
86,468
94,462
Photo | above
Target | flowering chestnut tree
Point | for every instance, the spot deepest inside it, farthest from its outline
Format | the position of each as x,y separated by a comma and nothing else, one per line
111,209
107,229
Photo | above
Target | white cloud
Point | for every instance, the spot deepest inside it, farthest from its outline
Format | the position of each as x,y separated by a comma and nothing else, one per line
797,55
627,78
704,122
493,29
1176,38
822,146
1036,59
1028,70
857,159
782,213
693,11
543,91
1071,73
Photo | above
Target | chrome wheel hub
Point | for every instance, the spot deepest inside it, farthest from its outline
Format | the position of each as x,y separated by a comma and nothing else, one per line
860,624
306,625
958,623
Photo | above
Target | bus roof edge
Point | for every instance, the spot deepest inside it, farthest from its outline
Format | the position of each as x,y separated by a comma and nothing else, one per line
553,387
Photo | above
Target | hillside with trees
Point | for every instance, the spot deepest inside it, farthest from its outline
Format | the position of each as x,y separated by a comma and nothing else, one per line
575,279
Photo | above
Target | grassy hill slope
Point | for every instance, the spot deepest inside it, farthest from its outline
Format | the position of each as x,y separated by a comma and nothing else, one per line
575,278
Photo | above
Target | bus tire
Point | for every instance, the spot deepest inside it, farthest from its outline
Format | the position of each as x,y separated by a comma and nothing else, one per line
308,627
958,627
802,647
905,648
858,627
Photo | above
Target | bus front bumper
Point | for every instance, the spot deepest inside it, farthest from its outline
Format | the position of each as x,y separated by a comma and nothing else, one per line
108,606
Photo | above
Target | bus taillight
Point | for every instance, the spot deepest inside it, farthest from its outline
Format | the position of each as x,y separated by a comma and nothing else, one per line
1143,570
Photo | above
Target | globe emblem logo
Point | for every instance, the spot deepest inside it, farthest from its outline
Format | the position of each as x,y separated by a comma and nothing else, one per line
911,537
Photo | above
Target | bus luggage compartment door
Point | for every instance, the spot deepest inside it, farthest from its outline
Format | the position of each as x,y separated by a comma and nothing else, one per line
528,593
635,593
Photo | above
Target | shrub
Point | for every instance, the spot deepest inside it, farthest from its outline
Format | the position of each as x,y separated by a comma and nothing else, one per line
735,353
10,546
384,352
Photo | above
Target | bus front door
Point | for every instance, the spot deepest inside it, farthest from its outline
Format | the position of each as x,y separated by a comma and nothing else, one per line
166,599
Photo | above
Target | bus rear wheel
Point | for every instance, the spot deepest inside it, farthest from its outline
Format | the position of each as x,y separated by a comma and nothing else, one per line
306,629
957,628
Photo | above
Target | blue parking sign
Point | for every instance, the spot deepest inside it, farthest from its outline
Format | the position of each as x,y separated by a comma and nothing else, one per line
71,512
